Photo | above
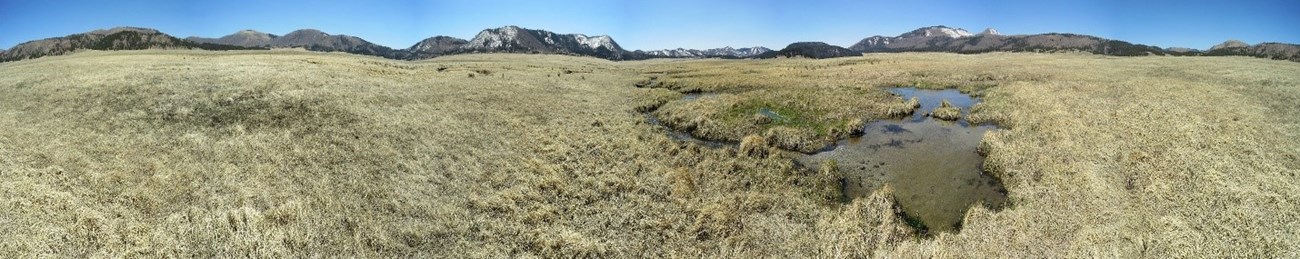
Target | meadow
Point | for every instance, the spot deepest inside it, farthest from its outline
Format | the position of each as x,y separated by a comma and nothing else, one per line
284,153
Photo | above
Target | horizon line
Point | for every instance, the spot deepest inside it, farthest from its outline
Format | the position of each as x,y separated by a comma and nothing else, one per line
611,36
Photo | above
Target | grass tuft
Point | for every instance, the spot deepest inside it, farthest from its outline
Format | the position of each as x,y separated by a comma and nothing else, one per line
946,111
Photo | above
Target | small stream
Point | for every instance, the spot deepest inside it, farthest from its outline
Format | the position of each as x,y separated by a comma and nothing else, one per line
683,136
931,164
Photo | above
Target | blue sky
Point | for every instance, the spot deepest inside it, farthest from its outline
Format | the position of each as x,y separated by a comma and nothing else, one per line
669,23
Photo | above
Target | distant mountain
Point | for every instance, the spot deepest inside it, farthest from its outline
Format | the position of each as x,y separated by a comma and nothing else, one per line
923,37
1181,50
817,50
945,39
676,53
120,38
1271,50
513,39
724,52
321,41
435,46
309,39
733,52
937,31
246,38
1229,44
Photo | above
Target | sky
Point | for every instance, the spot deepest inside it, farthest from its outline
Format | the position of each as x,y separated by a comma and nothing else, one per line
663,24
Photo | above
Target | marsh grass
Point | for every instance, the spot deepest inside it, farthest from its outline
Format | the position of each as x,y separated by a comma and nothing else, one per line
797,121
302,154
946,111
818,101
1102,156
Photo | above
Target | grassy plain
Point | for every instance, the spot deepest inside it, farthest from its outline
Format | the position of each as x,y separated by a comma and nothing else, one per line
293,154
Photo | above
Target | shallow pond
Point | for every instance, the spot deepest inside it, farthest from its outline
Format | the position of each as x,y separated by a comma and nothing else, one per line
932,165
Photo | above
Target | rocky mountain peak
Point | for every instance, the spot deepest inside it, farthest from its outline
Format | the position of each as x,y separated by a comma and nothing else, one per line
515,39
596,41
495,38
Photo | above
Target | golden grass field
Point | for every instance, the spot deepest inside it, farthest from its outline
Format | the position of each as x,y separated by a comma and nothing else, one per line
301,154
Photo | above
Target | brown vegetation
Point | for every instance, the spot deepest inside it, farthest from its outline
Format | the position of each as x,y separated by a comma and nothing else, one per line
299,154
946,111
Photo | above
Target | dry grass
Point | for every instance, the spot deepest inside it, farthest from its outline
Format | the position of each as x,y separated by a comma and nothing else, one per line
819,101
946,111
1103,156
298,154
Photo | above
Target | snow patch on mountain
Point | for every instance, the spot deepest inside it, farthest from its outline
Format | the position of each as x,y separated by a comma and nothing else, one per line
715,52
494,38
946,32
594,42
937,31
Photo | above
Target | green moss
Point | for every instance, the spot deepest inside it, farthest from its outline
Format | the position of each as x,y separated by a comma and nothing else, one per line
781,116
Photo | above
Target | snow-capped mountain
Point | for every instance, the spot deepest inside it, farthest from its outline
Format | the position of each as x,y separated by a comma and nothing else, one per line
511,39
723,52
741,52
595,42
676,53
871,42
514,39
937,31
914,37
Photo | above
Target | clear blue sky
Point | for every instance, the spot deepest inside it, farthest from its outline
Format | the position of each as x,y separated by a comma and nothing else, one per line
670,23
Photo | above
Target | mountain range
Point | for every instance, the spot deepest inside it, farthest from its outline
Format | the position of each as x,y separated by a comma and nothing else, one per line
1271,50
121,38
946,39
724,52
307,38
817,50
514,39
